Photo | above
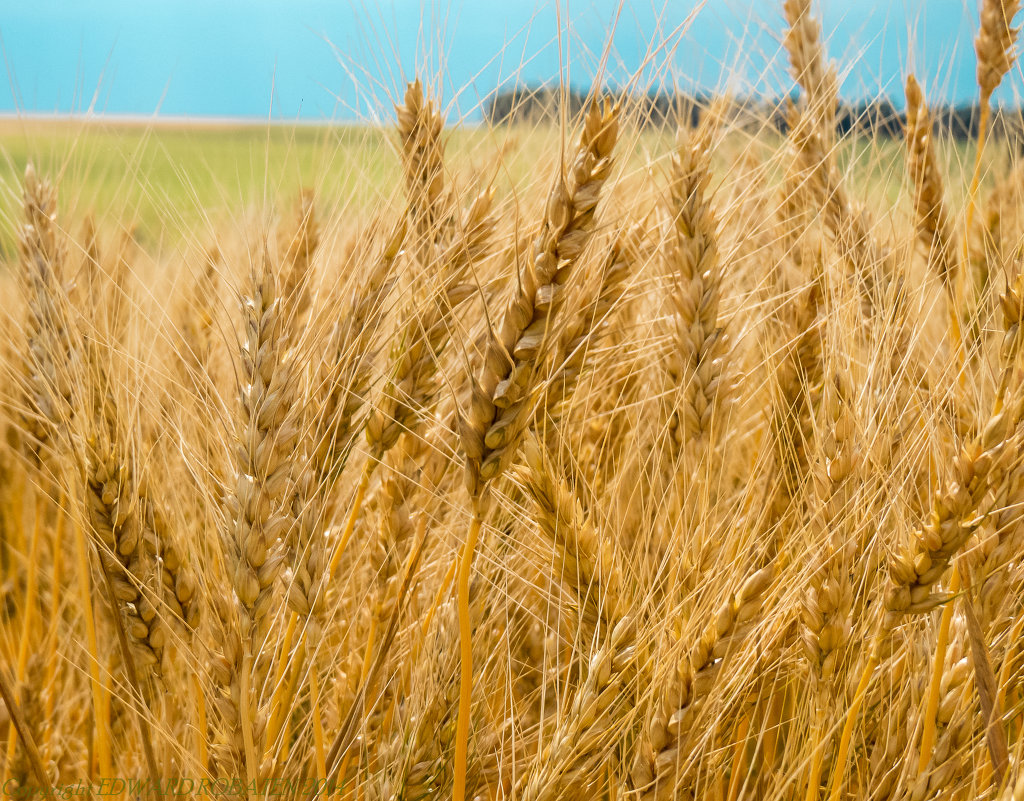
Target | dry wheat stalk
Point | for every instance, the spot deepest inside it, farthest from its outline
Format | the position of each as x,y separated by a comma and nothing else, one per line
426,730
503,393
812,127
934,225
260,515
52,351
591,320
154,586
347,369
662,754
120,520
338,397
583,736
419,129
981,466
995,44
51,380
418,347
584,558
266,432
998,543
694,367
25,708
798,385
410,389
829,600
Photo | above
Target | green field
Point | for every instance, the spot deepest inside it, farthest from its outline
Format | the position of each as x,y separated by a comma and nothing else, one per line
169,180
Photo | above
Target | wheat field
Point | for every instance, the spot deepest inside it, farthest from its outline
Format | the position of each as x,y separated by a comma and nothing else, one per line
564,460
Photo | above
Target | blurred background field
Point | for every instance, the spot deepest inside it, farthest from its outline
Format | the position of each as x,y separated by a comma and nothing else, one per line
168,180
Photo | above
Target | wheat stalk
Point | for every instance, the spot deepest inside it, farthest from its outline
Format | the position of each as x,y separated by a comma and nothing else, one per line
700,344
981,465
934,225
503,394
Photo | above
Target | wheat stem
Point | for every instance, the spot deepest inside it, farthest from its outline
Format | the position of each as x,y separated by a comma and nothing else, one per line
353,517
245,702
318,727
20,726
31,589
935,683
814,773
99,695
293,685
846,738
279,699
133,679
202,754
51,637
465,657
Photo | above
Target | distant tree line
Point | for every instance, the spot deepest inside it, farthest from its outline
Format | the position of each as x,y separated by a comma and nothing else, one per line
870,117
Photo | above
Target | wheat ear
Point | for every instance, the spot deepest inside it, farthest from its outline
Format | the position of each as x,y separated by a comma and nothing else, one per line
809,67
1011,315
52,364
934,224
52,349
590,320
47,381
992,558
259,516
503,395
345,386
694,367
826,607
420,126
797,385
812,133
410,388
995,47
419,345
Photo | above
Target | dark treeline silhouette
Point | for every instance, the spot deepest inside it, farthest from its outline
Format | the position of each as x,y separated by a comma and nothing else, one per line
869,117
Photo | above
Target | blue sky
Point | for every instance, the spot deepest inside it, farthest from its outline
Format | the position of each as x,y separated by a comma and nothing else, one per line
318,59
